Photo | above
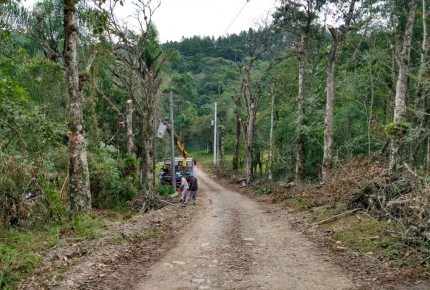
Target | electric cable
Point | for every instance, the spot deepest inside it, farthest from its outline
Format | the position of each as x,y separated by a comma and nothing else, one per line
235,18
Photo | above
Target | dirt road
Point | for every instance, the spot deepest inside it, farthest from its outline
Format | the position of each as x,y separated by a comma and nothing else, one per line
237,243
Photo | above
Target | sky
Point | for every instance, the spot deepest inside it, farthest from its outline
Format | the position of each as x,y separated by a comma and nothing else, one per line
175,19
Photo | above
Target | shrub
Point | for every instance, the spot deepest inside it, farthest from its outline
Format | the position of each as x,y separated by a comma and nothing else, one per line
165,190
108,189
25,195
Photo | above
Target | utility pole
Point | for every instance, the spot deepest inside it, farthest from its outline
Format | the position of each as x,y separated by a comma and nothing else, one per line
172,145
215,145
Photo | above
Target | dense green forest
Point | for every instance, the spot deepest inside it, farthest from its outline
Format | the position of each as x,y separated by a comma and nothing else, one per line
82,95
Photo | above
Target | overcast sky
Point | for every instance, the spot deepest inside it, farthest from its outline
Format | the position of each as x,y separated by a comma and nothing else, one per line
177,18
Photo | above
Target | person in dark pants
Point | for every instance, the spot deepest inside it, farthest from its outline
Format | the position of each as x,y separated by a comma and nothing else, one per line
193,189
183,188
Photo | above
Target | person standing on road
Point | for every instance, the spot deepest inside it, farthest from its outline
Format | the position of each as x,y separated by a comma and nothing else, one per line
193,189
184,187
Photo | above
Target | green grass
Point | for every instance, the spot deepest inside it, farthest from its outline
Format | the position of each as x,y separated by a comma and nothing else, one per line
18,256
327,211
368,235
297,203
204,160
263,191
165,190
152,235
119,240
202,156
357,234
21,251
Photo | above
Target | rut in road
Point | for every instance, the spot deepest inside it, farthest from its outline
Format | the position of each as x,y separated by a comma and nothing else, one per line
236,243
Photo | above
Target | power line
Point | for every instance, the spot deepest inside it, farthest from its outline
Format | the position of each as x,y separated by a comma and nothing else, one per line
235,18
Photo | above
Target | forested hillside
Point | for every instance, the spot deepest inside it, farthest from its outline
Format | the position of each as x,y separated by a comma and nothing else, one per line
297,98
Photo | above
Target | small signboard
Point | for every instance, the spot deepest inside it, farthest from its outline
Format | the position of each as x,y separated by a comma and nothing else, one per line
161,130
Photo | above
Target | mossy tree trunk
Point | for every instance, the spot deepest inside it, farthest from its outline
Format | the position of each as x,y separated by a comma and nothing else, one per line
131,150
402,83
300,137
79,184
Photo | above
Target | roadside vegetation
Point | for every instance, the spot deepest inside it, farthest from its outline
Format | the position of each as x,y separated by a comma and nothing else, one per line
330,121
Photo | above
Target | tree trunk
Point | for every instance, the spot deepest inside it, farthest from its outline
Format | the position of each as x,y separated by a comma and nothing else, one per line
251,93
249,141
428,155
372,97
222,144
131,150
148,141
424,84
270,165
328,121
235,157
300,140
402,83
79,182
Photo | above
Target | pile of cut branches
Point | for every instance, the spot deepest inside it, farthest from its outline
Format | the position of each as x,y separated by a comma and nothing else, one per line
146,200
415,208
365,183
345,182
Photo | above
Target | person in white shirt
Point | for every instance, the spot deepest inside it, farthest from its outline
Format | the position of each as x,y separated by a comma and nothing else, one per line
184,186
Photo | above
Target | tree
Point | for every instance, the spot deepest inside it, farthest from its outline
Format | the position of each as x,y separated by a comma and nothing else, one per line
423,82
79,184
403,60
296,19
138,68
237,127
331,64
129,126
251,90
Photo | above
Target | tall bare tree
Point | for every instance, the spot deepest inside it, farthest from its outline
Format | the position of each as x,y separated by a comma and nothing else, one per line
139,63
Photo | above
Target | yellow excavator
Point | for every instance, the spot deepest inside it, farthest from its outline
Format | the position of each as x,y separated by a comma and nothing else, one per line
183,165
178,142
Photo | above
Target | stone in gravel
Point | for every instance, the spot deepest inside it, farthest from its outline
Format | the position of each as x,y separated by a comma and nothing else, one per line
179,262
198,281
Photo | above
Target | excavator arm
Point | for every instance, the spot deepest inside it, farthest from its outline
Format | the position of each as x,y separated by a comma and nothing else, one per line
179,143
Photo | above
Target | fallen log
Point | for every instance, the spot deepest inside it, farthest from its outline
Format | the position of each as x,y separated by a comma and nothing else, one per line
397,202
336,216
